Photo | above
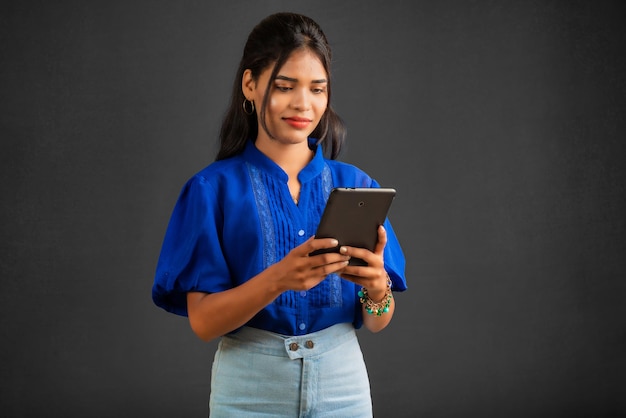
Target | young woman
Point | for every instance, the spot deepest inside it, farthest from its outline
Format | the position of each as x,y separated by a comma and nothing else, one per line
236,254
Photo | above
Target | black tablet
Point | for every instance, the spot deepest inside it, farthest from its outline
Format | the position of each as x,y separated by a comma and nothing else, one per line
352,216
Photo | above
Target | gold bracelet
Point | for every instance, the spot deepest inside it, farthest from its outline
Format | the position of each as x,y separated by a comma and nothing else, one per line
376,308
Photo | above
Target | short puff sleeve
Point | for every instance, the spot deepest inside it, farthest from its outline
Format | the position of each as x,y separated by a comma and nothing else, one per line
191,256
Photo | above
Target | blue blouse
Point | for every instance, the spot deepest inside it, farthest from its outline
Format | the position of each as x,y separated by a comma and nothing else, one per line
236,217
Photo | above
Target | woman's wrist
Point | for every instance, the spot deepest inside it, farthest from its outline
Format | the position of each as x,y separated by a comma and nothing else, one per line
376,295
377,292
376,302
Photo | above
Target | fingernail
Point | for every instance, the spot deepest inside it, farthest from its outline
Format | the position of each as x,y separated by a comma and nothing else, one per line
343,250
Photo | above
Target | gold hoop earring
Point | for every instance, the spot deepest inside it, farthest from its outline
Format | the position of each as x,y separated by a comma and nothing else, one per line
248,109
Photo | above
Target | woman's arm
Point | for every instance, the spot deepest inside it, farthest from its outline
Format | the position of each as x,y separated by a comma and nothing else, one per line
216,314
373,277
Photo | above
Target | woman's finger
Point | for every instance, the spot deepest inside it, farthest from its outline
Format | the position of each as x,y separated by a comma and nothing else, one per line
382,241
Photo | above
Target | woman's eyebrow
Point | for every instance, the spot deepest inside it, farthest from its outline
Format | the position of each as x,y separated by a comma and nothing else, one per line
295,80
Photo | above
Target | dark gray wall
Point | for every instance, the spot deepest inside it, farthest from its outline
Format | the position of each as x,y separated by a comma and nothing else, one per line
501,124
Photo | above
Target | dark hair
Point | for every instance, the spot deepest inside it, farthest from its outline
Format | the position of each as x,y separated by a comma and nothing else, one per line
271,42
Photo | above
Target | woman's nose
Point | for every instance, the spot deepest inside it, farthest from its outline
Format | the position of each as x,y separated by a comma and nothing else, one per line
301,100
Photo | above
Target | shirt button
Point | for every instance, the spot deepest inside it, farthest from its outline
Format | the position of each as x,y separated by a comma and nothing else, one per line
302,326
301,232
293,346
303,293
309,344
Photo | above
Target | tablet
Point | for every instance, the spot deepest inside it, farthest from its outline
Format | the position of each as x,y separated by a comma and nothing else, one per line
352,216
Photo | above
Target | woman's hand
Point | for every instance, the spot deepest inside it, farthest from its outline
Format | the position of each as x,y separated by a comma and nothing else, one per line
373,276
300,270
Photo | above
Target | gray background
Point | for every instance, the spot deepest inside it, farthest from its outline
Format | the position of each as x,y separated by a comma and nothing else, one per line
501,124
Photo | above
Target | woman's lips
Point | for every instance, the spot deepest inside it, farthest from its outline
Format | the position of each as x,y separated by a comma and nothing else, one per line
298,123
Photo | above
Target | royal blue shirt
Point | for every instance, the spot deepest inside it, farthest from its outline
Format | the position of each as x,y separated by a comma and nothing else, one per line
236,217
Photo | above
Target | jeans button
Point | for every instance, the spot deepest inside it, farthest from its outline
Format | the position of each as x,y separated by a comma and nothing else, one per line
309,344
293,346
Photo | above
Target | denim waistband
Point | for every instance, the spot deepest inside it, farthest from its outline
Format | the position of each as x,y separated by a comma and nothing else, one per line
301,346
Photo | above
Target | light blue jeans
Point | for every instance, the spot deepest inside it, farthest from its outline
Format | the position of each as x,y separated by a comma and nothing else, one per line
257,373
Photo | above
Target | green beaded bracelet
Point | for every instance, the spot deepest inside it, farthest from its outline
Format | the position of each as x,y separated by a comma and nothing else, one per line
376,308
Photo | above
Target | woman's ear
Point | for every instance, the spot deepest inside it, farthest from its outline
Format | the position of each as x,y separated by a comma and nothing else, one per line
248,85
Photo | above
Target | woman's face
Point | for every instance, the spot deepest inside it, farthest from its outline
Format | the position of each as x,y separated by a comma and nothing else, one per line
298,97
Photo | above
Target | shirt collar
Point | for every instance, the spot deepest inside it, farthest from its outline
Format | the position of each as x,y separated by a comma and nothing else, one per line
252,155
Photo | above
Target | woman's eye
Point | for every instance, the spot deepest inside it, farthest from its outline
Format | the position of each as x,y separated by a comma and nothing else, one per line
283,88
319,90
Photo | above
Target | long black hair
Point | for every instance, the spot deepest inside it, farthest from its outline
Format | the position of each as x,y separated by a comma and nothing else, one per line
271,42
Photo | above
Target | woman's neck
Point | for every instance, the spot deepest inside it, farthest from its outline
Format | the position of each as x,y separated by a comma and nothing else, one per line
292,158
